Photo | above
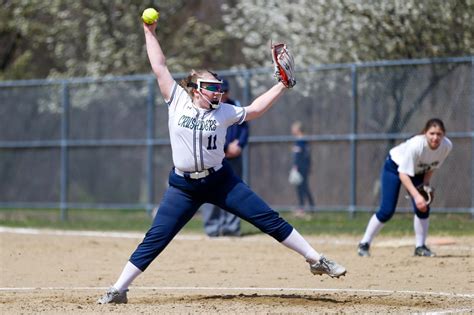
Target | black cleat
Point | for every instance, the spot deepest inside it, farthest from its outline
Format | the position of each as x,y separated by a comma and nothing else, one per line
424,251
363,249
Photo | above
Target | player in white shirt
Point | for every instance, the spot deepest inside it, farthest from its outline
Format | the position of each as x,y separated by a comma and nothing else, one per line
410,163
197,124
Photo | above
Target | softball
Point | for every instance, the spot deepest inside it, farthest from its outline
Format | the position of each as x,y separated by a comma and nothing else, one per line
150,16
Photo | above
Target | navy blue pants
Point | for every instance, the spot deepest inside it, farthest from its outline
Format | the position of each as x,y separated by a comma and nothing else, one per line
304,192
391,189
218,222
184,197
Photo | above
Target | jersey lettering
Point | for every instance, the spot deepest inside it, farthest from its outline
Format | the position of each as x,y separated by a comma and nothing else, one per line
197,124
427,167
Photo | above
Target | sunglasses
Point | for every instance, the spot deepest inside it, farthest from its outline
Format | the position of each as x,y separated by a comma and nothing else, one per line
214,86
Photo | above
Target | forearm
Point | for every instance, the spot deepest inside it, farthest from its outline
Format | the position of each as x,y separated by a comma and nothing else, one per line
420,202
427,178
155,54
263,103
407,183
158,61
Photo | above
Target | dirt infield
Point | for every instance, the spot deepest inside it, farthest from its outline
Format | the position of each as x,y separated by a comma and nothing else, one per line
52,273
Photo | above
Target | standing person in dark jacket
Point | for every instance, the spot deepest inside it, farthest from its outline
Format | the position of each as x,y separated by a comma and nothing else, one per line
218,222
302,163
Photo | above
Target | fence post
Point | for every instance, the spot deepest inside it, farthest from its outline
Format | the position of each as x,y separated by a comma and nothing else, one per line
472,138
353,144
150,135
64,168
245,154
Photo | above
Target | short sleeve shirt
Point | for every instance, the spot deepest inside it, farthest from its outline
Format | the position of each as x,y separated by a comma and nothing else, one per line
198,135
415,156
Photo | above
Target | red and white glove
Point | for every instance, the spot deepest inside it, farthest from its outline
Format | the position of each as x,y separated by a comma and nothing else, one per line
284,65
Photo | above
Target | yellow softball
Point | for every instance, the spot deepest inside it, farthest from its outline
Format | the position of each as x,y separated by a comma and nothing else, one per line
150,16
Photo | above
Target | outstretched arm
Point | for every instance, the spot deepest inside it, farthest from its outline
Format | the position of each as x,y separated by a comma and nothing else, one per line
263,103
158,61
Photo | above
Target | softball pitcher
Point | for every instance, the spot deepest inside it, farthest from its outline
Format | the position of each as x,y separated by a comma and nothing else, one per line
412,164
197,123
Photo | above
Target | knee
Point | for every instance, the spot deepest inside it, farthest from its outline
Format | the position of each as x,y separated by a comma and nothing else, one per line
272,224
384,216
282,231
422,215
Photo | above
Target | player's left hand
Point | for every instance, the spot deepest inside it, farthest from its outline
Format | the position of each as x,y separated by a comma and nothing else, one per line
284,65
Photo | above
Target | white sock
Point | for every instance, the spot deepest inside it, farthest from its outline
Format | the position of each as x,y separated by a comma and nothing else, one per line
373,228
297,243
421,230
129,273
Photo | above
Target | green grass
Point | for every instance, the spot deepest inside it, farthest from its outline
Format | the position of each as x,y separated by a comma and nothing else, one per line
328,223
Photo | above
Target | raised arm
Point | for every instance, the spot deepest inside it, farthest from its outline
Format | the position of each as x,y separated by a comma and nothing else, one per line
158,61
263,103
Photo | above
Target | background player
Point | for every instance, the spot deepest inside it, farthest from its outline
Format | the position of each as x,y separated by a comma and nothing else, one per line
197,124
218,222
410,163
302,163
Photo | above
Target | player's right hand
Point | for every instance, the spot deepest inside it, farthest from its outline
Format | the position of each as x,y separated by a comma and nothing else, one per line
233,149
150,27
420,203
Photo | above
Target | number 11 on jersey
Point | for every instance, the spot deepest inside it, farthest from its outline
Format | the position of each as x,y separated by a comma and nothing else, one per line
211,142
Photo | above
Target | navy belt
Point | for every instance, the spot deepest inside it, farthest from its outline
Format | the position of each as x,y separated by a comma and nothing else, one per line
197,175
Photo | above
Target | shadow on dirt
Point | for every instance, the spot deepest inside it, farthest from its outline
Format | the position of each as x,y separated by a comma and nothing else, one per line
453,256
263,297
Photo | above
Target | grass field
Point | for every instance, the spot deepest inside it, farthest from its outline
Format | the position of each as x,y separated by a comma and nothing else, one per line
329,223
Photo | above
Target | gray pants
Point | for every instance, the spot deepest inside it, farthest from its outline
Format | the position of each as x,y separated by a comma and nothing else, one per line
218,222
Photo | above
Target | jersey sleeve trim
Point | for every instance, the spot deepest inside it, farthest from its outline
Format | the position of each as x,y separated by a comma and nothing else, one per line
175,86
242,118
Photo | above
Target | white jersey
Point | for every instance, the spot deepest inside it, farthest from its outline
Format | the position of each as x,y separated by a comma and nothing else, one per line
197,135
414,156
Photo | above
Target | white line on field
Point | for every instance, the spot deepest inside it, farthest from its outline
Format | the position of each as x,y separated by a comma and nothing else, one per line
251,289
183,237
69,233
194,237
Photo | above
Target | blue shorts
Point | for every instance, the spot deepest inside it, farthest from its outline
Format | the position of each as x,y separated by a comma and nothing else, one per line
391,189
183,198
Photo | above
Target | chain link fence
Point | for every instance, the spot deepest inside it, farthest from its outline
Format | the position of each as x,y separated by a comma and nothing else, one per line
103,143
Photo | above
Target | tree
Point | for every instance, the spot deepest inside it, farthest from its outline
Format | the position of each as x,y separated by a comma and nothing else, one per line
344,31
62,38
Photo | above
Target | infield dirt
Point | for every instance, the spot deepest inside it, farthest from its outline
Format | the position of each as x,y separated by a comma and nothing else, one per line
50,273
